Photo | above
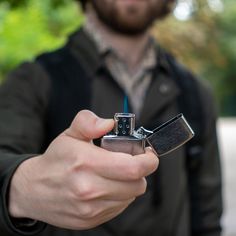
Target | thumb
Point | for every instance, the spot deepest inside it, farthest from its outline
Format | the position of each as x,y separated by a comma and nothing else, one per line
87,126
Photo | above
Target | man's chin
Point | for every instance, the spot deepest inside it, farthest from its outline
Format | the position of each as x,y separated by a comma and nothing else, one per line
128,20
128,31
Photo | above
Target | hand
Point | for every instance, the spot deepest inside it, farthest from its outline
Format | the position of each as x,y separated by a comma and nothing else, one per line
75,184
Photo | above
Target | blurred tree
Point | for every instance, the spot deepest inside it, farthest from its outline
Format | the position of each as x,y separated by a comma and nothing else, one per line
30,27
14,3
226,76
207,44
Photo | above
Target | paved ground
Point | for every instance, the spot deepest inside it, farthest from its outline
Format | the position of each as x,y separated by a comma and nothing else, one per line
227,141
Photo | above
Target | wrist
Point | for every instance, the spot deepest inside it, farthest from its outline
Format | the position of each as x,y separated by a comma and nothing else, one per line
21,189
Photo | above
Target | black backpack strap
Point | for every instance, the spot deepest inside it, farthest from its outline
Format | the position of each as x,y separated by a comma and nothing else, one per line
191,106
88,56
70,90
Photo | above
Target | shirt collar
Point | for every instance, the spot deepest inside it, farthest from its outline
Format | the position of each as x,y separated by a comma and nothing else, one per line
106,50
102,46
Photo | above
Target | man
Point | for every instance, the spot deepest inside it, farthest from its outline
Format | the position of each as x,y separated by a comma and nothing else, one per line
75,186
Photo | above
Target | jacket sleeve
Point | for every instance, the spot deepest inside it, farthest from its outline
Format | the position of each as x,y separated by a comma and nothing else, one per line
23,102
205,177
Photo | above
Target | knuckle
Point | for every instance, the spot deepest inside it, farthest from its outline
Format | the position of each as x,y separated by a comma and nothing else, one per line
135,173
83,123
87,211
74,161
80,162
154,165
143,187
84,192
83,115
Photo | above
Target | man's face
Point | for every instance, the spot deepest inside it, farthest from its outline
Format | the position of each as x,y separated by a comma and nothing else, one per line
128,16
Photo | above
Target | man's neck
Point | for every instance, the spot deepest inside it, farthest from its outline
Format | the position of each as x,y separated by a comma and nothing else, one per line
129,48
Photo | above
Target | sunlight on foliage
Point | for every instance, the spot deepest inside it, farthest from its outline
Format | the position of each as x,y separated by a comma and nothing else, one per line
33,28
206,43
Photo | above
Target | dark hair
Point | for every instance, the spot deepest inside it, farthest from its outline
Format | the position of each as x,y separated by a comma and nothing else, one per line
167,7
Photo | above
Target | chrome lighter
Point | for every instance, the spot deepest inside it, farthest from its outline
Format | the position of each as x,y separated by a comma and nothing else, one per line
164,139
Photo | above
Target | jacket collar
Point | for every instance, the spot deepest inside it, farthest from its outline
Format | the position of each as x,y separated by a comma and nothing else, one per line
161,93
85,50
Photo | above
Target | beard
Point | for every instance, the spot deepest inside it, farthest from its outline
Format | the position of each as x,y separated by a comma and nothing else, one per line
129,17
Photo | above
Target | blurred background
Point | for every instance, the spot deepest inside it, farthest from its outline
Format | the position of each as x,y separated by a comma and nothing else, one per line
200,33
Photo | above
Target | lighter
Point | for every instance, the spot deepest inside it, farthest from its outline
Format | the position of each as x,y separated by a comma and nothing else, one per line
164,139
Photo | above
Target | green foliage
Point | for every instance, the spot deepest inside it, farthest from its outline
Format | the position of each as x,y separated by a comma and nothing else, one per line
207,44
32,27
226,86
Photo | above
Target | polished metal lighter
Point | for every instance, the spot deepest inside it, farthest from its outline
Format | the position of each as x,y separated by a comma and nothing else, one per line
164,139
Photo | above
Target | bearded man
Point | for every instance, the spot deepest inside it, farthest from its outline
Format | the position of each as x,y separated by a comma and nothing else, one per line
55,181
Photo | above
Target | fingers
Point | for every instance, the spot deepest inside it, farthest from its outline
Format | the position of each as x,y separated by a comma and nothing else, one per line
96,213
94,188
87,126
150,159
109,208
121,190
119,166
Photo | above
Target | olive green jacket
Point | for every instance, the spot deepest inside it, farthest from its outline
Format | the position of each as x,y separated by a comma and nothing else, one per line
35,106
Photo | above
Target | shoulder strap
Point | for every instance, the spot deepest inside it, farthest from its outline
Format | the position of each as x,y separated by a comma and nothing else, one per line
190,105
70,90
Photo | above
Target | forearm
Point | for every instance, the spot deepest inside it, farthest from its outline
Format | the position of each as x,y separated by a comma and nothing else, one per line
23,101
21,188
9,164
